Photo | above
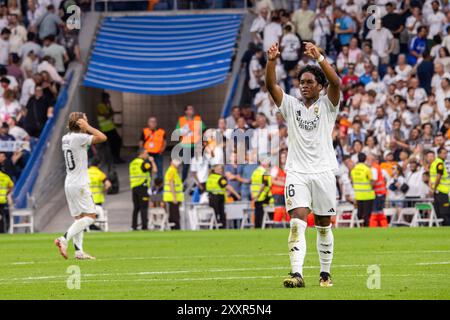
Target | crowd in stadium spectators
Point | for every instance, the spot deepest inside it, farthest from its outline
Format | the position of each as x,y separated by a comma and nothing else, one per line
36,47
395,106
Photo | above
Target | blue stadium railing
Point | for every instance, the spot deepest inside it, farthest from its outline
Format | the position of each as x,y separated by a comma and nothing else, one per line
25,184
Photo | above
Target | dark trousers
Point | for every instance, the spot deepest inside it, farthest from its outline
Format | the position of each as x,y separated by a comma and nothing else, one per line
4,222
442,208
159,163
140,204
217,202
259,213
365,210
115,143
174,214
188,153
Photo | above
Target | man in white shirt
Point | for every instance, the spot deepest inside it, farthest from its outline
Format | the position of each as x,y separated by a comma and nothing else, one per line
4,46
414,179
272,33
82,208
435,20
258,25
18,34
382,41
311,163
290,47
256,72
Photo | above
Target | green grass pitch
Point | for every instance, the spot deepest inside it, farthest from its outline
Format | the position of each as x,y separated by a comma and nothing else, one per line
227,264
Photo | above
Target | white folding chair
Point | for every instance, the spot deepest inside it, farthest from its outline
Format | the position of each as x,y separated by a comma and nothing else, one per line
101,221
347,209
392,213
206,217
408,217
427,215
24,216
247,219
267,220
159,219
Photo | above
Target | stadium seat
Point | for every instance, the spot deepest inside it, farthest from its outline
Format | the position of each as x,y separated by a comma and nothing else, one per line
268,218
205,217
23,214
159,219
392,213
347,215
247,219
427,215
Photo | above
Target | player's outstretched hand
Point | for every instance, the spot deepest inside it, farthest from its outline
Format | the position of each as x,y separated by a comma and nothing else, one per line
311,50
273,52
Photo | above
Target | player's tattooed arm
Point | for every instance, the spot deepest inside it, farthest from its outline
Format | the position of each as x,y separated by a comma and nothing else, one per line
271,79
333,91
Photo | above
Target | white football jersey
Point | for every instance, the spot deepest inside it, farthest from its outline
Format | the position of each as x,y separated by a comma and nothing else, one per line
75,147
310,147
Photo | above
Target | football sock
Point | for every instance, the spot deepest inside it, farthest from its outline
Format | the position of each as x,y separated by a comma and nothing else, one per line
78,226
297,245
325,243
78,241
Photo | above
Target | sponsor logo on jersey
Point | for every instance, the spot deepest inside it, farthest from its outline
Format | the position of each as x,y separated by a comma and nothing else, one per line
307,125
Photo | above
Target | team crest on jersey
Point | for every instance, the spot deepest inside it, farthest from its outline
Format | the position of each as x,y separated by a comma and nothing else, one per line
316,110
289,202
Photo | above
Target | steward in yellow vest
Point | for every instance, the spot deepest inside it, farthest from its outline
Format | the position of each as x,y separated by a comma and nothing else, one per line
140,179
173,192
6,186
216,186
363,183
440,186
105,114
260,189
99,182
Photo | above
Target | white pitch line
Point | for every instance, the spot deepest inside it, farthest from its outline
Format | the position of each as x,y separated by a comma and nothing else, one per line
6,280
215,256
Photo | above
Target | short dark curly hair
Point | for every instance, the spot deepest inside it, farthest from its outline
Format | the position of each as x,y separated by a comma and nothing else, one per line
316,71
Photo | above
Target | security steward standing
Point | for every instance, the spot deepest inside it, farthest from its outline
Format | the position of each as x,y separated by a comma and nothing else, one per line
260,188
440,186
362,182
140,180
216,186
99,182
173,194
153,139
6,187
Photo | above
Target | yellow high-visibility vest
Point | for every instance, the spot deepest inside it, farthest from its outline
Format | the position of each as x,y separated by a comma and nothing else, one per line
361,178
172,175
97,178
105,125
213,186
444,184
257,181
137,176
5,184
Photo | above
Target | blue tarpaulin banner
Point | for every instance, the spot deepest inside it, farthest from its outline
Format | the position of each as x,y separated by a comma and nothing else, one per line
163,55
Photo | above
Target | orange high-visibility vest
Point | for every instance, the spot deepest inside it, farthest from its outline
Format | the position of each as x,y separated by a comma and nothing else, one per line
380,185
195,130
153,140
279,189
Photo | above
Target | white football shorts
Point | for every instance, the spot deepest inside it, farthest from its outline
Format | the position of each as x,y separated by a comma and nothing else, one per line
79,199
316,191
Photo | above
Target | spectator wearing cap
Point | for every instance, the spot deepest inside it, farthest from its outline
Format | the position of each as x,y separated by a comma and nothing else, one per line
37,111
18,33
4,46
30,45
57,52
48,23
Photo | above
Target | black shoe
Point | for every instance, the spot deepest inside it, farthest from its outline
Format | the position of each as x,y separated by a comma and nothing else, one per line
94,227
325,280
294,281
